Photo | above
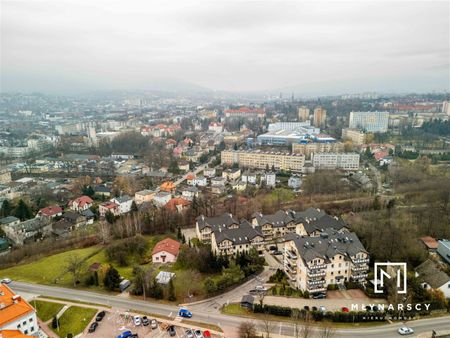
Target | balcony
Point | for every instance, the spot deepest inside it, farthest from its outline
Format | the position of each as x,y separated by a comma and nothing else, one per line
291,269
317,267
291,277
290,254
360,267
316,273
359,276
315,282
361,261
316,289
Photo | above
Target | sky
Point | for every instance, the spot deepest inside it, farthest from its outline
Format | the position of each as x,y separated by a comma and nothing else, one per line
240,46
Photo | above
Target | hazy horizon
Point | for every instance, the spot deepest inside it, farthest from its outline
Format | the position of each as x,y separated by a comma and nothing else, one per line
254,46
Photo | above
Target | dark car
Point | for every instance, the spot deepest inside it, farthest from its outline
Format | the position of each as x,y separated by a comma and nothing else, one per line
314,308
319,296
93,327
171,330
145,321
100,316
306,307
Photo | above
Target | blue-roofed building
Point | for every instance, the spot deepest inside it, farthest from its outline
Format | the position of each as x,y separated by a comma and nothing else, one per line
443,249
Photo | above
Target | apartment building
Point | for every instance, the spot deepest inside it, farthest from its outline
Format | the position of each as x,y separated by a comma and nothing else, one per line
230,241
303,114
358,137
345,161
313,263
16,313
310,148
144,196
258,159
320,116
245,112
369,121
205,225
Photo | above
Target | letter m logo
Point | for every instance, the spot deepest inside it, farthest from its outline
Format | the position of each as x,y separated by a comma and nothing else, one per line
390,271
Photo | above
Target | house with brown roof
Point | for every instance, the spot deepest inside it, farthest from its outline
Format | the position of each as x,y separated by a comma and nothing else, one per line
51,211
81,203
430,243
178,204
166,251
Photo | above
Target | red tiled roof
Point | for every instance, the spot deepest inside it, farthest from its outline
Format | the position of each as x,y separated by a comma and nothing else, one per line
245,110
174,202
81,201
51,210
109,205
168,245
430,242
190,176
13,334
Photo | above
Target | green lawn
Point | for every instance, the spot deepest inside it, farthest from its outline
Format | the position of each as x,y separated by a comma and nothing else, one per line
46,310
47,270
281,194
74,320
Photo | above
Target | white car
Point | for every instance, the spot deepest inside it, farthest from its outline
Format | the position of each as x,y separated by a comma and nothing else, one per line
405,331
137,320
6,281
322,308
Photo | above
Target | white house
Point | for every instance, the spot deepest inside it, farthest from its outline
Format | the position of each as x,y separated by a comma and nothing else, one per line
81,203
162,198
248,177
124,203
16,313
166,251
189,193
431,277
201,181
270,179
209,172
294,182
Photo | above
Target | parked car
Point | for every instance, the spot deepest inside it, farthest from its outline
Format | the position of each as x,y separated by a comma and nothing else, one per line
206,334
319,296
6,280
404,331
100,316
188,333
185,313
93,327
322,308
145,321
306,307
171,330
137,320
314,308
345,309
198,334
125,334
154,324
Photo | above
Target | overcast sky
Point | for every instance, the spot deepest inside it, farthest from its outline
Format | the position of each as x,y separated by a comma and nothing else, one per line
225,45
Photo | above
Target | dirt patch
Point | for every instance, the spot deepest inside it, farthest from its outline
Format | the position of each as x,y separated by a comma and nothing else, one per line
357,294
335,295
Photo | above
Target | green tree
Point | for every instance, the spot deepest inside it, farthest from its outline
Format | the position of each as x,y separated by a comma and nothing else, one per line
110,218
171,296
134,207
23,211
112,278
55,322
6,208
88,191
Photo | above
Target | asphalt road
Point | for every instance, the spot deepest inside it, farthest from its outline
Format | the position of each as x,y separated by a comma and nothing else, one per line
229,323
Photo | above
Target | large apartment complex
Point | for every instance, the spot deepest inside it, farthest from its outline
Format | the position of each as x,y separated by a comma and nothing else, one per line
262,160
345,161
369,121
313,263
358,137
310,148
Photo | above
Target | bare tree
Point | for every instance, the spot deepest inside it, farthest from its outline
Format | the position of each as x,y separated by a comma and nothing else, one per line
75,265
327,331
247,330
306,330
268,325
104,231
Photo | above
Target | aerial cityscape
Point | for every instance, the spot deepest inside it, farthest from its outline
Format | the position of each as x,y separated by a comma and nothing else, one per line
244,169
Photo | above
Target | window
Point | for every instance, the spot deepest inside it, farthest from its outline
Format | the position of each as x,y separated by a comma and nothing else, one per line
30,320
332,273
25,332
340,264
32,329
24,322
18,326
332,265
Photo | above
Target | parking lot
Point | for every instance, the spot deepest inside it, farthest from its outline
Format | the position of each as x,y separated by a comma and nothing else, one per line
116,321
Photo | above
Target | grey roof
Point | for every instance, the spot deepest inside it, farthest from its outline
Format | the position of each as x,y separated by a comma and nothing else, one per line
145,192
242,235
224,220
430,274
324,222
123,199
279,219
248,299
8,219
88,213
327,246
34,224
101,188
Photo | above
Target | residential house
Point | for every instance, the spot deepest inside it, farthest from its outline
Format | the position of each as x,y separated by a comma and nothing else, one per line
89,215
4,246
209,172
81,203
274,225
183,166
205,225
249,177
189,192
27,231
166,251
162,198
231,174
190,179
109,206
201,181
144,196
16,314
431,277
313,263
429,243
218,182
125,202
443,249
271,179
178,204
238,185
229,241
102,190
218,189
51,211
295,182
75,218
168,186
62,228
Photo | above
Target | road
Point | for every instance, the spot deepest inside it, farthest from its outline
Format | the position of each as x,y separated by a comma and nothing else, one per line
183,178
377,175
228,323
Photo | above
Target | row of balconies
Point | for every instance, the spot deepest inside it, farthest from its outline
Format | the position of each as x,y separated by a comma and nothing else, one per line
316,273
360,267
360,260
290,254
359,275
291,269
317,266
315,282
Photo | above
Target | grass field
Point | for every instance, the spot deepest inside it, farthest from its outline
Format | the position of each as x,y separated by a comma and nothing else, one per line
46,310
47,270
74,320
